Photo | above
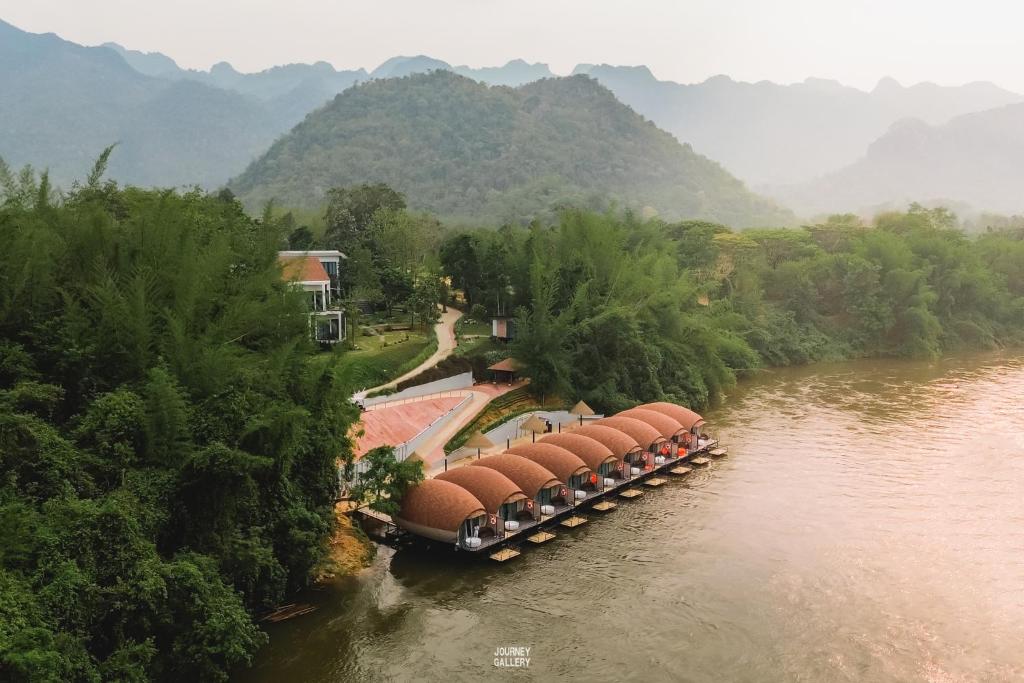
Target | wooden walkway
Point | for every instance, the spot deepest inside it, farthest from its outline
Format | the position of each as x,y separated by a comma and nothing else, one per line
655,481
540,537
573,522
718,452
681,470
700,462
505,554
631,493
604,506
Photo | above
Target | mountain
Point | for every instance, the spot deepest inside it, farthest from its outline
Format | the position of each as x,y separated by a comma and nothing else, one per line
466,150
974,159
515,73
771,134
63,103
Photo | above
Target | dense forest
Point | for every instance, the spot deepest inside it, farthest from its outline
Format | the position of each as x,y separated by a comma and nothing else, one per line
615,310
478,154
168,456
170,437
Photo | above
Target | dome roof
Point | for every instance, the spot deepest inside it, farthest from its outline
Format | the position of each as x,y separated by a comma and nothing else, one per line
666,426
619,443
560,462
526,474
490,487
643,433
683,416
589,450
438,504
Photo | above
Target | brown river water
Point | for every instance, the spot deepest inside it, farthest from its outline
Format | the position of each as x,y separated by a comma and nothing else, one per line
868,525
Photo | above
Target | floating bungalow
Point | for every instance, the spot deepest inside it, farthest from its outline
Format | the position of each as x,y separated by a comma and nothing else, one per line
668,427
691,421
491,501
622,445
443,511
644,434
564,464
547,494
598,457
504,502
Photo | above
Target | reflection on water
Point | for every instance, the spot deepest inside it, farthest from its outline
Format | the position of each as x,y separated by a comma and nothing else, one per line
868,525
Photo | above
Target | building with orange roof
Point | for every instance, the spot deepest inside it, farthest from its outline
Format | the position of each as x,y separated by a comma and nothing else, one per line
316,273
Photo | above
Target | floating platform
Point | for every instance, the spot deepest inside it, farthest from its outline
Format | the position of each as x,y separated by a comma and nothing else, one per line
681,470
573,522
718,452
655,481
505,554
701,462
631,493
604,506
540,537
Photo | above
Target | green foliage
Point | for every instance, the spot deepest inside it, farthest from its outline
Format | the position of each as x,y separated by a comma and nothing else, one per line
617,310
463,150
168,446
386,480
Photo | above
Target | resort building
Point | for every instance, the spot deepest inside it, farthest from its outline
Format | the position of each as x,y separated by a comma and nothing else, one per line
504,502
641,432
669,428
624,447
547,494
442,511
596,455
691,421
564,464
317,274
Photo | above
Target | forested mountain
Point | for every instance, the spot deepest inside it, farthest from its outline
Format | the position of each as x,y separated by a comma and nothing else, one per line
465,150
770,134
973,159
62,104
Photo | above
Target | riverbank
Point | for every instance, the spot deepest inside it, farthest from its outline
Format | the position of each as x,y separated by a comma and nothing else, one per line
349,550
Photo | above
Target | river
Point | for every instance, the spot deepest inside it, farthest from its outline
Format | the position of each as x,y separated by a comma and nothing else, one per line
868,525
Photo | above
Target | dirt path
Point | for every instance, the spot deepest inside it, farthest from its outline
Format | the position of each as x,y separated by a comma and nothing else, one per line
445,332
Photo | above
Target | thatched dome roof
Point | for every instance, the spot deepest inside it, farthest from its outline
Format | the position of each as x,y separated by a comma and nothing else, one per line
526,474
665,425
560,462
619,443
438,504
490,487
590,451
643,433
683,416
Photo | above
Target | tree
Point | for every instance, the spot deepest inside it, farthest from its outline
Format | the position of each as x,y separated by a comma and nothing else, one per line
396,286
300,239
350,210
386,480
540,340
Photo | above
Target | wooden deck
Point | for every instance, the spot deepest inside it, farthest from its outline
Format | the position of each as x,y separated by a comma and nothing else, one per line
631,493
540,537
681,470
655,481
604,506
701,462
573,522
718,452
505,554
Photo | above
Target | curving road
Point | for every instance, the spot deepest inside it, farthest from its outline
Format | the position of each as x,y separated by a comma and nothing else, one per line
445,332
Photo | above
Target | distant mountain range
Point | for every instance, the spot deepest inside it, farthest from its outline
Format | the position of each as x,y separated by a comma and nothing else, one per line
976,159
468,151
62,103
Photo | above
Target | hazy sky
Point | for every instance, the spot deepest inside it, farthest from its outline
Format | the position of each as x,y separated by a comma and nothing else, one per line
854,41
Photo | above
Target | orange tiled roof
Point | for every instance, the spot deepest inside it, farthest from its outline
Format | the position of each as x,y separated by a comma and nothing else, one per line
303,269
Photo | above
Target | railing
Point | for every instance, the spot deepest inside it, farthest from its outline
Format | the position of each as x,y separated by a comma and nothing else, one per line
403,451
417,399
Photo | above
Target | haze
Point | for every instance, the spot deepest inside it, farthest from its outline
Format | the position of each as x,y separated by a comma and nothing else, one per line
855,42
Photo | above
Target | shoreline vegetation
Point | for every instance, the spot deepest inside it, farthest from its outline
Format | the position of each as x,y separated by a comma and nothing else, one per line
170,436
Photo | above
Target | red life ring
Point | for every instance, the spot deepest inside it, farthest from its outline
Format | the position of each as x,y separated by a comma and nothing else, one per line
665,450
593,478
493,520
529,505
687,438
562,491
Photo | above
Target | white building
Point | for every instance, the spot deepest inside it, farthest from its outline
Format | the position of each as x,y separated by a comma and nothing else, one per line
316,272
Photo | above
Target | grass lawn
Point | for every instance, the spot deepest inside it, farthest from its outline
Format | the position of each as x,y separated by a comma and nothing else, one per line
475,327
372,363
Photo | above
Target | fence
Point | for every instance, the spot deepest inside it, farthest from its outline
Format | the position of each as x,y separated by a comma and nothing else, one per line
440,387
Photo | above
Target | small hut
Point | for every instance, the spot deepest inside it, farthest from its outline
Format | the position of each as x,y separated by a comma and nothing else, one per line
504,371
442,511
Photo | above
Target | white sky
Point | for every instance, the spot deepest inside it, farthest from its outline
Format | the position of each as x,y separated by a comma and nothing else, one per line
853,41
